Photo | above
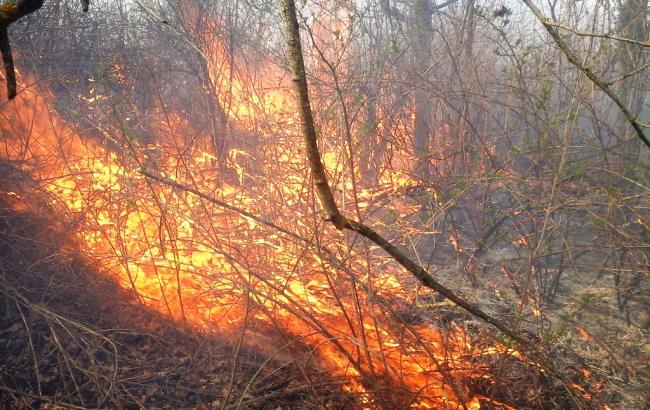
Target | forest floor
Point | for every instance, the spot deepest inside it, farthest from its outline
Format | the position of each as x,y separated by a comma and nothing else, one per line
606,352
70,337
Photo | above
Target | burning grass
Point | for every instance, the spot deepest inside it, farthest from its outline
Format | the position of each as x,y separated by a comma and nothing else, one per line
296,291
71,337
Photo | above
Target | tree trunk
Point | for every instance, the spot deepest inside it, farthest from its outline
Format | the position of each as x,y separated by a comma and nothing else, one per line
421,26
371,145
632,24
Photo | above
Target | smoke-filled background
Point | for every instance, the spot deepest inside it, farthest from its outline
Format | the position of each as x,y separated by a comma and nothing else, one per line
162,245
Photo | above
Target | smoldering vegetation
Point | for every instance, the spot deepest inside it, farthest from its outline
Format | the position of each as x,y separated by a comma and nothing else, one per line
459,131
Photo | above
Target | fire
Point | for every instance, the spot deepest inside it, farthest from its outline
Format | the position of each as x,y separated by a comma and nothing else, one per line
217,270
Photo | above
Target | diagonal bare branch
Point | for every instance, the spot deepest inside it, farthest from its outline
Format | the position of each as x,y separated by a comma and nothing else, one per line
332,213
573,59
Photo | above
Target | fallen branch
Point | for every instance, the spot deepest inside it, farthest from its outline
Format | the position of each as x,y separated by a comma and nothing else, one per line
223,204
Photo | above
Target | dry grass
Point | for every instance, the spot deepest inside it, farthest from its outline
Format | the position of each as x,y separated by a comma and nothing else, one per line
70,337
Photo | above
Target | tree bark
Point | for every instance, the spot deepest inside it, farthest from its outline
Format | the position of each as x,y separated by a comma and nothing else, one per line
319,178
8,59
9,13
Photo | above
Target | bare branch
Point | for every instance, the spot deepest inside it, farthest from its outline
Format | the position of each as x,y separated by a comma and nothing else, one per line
573,59
598,35
333,214
14,11
8,59
223,204
326,197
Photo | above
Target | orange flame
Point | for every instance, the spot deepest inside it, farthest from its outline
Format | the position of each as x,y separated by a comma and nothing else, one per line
210,268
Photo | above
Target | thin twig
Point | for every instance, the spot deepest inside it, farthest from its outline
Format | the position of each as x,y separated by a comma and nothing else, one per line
333,214
598,35
573,59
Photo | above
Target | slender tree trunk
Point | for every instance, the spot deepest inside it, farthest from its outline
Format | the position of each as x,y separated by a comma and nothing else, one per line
632,23
331,210
218,118
371,145
421,25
